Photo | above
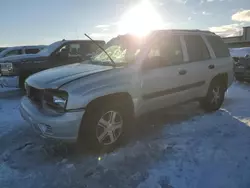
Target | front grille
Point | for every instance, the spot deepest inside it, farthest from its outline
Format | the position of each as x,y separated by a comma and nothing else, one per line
34,94
42,98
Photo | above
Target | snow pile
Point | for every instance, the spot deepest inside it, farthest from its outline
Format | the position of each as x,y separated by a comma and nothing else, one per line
9,110
202,150
211,150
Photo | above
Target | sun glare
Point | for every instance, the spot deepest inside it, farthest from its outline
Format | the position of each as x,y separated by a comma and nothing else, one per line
140,20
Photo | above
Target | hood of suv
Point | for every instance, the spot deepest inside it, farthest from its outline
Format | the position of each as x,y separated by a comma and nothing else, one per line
23,57
56,77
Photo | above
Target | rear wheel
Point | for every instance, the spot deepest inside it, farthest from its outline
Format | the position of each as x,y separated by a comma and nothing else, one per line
215,96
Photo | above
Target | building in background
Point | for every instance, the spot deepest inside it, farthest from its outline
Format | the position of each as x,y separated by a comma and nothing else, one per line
239,41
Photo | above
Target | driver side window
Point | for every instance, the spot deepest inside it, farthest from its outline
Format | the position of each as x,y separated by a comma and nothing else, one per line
71,50
165,51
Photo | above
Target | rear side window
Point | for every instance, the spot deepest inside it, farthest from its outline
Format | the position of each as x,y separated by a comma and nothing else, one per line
31,50
219,47
196,48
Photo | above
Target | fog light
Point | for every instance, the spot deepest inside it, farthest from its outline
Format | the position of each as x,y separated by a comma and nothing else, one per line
42,127
46,129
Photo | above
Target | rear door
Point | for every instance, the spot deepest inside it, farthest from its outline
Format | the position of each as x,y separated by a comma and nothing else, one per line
222,61
199,59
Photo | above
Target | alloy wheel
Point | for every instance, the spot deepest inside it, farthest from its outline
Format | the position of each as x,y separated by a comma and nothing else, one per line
216,95
109,127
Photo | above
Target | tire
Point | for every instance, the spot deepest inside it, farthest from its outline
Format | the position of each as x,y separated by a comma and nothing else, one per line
100,132
215,96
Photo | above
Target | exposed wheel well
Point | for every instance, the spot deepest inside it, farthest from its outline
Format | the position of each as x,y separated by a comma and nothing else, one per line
222,78
122,98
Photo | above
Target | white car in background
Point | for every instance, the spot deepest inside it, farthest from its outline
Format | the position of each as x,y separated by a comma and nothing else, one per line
20,50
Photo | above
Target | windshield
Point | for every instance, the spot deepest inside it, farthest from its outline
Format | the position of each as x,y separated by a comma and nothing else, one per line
2,49
118,54
121,51
51,48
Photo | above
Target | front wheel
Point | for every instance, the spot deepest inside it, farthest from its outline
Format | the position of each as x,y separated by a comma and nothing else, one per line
103,127
214,98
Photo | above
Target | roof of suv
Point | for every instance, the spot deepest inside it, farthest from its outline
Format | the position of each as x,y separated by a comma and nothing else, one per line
180,31
196,31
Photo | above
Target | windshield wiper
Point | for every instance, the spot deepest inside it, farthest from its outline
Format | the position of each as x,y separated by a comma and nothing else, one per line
112,61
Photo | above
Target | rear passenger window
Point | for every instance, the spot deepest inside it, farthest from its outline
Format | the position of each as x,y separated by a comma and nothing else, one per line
196,48
31,50
219,47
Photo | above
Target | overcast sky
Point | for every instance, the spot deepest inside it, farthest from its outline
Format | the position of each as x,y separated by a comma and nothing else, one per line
45,21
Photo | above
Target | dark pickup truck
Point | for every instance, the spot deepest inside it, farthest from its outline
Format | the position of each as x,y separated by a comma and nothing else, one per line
242,63
15,69
242,69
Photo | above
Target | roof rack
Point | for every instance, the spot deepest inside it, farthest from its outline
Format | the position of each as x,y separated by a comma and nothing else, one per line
188,30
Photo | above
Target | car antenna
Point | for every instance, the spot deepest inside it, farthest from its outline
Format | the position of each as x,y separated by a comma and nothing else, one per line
101,49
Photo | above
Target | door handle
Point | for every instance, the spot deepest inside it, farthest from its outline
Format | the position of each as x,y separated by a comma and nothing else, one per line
211,66
182,72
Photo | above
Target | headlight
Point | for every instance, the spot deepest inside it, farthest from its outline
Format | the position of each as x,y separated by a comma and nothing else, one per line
7,69
56,99
59,101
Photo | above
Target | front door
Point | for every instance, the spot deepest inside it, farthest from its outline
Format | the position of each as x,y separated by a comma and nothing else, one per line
164,74
67,54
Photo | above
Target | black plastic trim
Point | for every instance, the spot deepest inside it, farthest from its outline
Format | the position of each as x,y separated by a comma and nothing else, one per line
172,91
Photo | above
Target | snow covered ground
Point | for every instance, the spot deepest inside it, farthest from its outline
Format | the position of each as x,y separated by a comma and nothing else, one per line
179,147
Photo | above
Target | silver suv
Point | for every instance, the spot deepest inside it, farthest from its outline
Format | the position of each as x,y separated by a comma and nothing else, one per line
95,101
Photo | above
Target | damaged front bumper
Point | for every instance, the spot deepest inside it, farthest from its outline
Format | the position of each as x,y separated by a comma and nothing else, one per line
9,81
